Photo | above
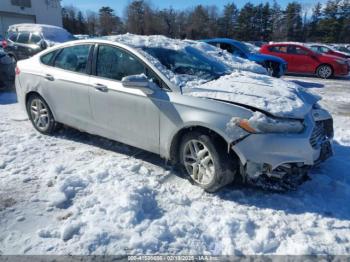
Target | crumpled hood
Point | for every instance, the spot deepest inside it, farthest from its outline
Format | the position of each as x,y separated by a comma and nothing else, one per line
275,96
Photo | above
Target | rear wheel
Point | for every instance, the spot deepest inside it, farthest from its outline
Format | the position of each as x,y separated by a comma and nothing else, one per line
324,71
40,115
14,59
273,69
205,162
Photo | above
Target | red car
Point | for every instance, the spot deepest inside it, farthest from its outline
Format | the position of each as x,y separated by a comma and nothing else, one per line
301,59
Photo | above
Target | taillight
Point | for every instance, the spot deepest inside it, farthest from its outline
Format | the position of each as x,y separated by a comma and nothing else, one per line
4,44
17,71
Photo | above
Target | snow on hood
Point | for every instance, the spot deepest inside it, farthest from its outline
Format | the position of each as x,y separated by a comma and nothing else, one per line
277,97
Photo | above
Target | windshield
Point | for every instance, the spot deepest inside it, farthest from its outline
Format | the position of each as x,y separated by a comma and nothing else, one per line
188,61
249,48
58,36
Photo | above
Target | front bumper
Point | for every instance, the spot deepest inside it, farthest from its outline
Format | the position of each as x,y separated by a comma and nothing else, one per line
276,155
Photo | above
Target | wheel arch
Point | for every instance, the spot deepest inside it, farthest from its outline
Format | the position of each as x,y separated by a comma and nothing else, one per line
322,64
31,93
219,139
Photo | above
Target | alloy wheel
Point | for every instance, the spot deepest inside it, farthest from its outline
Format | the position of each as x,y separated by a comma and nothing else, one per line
325,71
40,114
198,162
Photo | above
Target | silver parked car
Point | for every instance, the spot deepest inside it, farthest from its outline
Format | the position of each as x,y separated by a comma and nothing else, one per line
165,96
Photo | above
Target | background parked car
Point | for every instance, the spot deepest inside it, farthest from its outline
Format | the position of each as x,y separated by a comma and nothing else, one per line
275,65
26,40
325,49
7,70
342,48
301,59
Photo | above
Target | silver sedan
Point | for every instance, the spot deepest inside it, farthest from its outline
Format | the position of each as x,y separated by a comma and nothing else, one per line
132,94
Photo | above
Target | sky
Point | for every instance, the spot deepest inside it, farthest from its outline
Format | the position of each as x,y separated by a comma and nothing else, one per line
119,5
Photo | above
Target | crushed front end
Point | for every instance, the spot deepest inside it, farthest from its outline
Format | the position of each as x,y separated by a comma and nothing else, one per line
281,162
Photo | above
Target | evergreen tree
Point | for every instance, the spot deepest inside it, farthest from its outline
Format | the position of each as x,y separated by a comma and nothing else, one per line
198,23
228,22
294,22
277,23
314,32
246,26
331,23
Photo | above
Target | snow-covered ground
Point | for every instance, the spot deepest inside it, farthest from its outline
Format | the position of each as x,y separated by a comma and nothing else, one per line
80,194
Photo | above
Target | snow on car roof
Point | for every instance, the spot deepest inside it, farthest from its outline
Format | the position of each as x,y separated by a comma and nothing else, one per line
33,27
287,43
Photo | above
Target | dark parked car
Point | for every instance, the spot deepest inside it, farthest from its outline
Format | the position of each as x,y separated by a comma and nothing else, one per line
26,40
7,71
274,65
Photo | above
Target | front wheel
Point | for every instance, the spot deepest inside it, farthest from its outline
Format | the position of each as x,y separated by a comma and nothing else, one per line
40,115
324,71
206,163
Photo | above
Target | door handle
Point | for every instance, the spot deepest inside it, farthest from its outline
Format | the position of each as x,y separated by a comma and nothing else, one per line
101,87
49,77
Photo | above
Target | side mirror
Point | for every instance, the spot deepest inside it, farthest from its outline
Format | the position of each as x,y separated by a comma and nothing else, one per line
43,44
138,82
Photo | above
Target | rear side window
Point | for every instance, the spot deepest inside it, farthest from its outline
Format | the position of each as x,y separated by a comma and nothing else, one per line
34,39
13,36
47,59
23,38
114,63
296,50
278,48
73,58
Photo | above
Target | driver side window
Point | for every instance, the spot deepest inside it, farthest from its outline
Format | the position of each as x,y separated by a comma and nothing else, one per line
114,63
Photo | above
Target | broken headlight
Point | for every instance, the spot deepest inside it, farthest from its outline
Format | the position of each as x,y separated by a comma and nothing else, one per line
260,123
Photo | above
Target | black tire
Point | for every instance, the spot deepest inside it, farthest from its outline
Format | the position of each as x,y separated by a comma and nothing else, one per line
324,71
226,166
14,58
273,69
51,123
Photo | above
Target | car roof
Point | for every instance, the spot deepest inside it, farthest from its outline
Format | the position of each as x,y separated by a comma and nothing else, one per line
222,40
288,43
33,27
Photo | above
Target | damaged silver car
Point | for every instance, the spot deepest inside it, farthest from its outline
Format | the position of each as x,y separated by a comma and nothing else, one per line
219,122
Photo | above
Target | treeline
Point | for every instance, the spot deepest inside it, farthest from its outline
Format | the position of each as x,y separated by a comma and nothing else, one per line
326,23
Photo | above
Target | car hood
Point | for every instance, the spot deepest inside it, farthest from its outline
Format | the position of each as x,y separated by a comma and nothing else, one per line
274,96
262,57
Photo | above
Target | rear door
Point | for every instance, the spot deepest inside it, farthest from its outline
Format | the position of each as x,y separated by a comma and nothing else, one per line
66,83
303,61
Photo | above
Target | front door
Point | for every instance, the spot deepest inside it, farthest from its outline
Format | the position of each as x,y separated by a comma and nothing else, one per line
125,114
